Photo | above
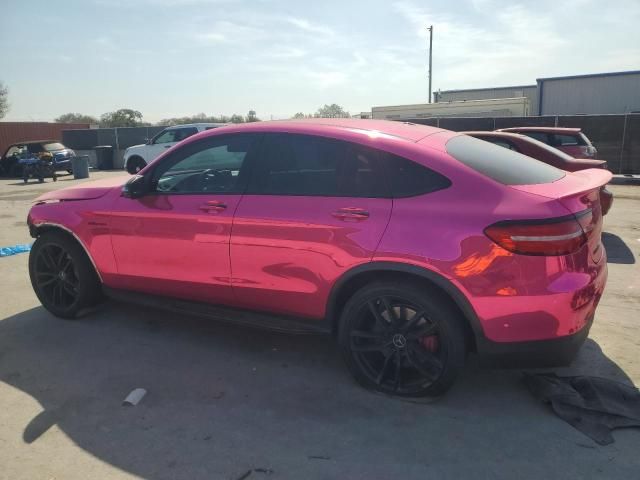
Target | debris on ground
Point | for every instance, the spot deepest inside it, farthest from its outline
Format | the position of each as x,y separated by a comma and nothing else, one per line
593,405
14,249
134,397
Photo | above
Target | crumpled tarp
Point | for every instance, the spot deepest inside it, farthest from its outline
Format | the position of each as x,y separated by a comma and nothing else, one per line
593,405
8,251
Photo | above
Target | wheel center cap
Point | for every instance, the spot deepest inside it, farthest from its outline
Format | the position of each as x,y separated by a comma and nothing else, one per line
62,275
399,340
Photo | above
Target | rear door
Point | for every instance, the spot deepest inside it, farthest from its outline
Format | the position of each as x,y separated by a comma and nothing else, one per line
314,208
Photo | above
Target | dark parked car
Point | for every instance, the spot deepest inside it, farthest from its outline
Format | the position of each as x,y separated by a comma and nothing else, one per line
9,162
541,151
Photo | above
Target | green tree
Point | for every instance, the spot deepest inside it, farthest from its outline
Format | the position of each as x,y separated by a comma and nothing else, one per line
76,118
235,118
4,100
125,117
299,115
332,111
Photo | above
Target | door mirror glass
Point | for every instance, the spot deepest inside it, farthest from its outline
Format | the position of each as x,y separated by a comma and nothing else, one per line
136,187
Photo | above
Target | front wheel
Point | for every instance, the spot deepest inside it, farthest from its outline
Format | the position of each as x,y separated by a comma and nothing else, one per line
135,164
402,339
62,275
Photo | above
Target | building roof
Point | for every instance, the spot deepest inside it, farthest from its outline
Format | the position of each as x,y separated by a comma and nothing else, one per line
486,88
592,75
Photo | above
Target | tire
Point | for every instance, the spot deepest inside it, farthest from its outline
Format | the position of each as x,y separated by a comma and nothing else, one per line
135,164
62,276
416,351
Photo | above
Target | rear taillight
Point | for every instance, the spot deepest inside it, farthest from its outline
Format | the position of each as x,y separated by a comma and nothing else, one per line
557,236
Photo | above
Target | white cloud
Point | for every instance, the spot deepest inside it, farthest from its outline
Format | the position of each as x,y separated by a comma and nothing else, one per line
309,27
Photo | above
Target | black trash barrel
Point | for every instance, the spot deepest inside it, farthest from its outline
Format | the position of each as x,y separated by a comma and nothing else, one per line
104,156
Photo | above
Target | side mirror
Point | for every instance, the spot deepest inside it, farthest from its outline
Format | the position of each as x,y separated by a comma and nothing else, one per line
136,187
147,141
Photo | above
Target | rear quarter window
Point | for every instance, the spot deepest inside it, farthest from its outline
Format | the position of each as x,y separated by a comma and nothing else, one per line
407,178
502,165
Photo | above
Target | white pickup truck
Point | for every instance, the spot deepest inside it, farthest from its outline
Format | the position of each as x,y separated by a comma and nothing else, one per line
137,157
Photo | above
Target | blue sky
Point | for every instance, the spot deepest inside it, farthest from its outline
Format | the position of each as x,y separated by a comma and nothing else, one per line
180,57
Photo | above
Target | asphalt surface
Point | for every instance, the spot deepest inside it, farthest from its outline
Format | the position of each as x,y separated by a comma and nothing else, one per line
226,402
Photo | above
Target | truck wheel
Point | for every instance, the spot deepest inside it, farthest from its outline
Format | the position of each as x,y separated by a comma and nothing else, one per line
135,164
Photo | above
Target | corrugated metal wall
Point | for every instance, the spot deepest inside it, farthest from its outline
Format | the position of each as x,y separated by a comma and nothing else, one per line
530,91
601,94
12,132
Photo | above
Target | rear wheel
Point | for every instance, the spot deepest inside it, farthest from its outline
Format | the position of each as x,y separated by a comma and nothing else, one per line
402,340
62,275
135,164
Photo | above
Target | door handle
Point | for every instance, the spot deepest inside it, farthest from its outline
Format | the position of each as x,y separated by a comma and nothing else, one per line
213,206
351,213
167,146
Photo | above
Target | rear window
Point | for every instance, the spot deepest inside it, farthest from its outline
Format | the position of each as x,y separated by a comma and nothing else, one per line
502,165
567,140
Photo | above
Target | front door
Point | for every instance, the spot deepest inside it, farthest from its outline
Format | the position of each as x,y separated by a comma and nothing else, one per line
175,240
314,208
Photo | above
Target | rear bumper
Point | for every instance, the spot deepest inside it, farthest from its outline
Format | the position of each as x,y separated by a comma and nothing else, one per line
535,354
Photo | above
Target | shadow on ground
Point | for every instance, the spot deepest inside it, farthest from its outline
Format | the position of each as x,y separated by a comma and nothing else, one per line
617,250
223,401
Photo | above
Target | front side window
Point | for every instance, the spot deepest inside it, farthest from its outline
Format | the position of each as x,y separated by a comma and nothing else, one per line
291,164
213,165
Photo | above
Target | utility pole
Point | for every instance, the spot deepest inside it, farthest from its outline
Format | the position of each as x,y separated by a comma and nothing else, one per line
430,28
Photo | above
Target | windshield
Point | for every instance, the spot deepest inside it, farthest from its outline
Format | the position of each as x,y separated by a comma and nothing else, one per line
53,146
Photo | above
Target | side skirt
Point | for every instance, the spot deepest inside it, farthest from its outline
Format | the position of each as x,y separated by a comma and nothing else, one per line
261,320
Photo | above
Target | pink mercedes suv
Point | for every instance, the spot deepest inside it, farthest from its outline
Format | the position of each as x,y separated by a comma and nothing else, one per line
411,245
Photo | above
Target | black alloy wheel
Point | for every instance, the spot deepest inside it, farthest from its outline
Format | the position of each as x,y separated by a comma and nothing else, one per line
63,278
402,341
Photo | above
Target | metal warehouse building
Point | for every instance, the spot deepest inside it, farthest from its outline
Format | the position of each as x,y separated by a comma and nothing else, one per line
600,93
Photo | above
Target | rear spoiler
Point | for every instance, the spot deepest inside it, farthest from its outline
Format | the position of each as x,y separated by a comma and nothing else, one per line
571,184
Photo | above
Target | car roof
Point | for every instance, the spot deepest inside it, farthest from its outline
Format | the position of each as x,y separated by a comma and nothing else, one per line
196,125
541,129
318,126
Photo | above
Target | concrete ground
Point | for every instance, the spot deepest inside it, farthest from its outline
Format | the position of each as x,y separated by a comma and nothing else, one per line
231,403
